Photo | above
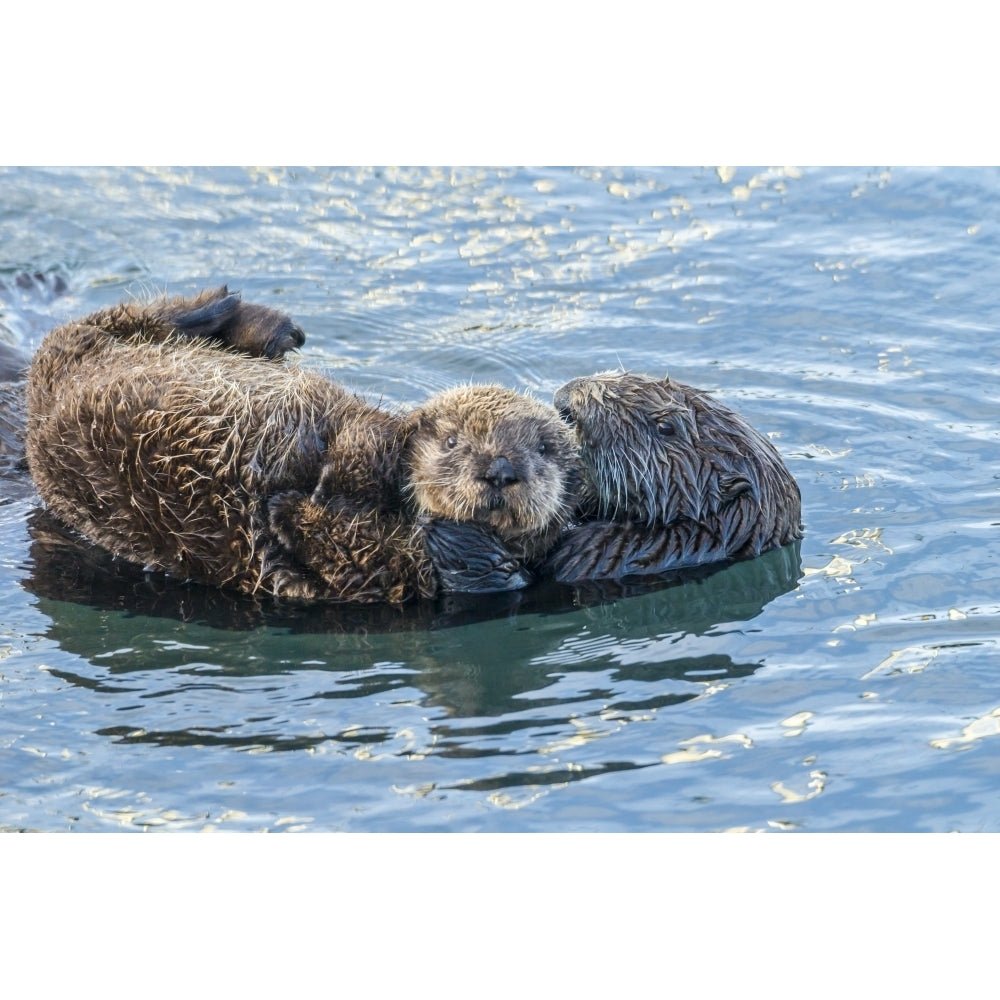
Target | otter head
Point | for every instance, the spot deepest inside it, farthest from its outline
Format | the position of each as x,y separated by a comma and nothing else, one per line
492,455
655,450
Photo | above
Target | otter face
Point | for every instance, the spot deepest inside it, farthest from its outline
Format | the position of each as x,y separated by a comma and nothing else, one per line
489,454
654,450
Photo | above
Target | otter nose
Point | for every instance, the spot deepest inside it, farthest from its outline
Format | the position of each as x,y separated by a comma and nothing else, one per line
500,473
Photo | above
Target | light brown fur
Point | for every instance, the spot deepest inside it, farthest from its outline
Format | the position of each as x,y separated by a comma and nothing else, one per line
149,434
497,462
490,455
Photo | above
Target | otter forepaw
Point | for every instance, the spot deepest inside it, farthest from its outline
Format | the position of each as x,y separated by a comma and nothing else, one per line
468,558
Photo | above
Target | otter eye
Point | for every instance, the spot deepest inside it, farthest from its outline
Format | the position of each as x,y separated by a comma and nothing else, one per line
666,428
543,448
450,443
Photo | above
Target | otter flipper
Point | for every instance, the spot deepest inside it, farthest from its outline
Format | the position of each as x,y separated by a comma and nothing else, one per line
208,321
469,558
262,332
249,328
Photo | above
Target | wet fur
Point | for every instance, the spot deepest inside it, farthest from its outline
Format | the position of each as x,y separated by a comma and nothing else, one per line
473,532
671,478
173,435
460,434
156,440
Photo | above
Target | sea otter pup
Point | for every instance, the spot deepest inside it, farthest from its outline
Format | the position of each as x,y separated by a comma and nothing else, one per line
491,475
671,478
151,435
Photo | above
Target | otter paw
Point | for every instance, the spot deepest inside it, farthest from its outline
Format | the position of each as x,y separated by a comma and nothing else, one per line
469,558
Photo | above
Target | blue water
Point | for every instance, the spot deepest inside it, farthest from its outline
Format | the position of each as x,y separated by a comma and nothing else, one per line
848,683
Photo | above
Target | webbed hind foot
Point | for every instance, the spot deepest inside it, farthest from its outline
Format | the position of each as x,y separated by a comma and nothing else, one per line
247,327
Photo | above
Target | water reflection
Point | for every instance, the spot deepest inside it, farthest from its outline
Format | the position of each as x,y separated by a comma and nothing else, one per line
190,665
63,567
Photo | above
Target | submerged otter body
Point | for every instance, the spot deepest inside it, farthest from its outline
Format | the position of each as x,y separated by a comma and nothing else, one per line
671,478
164,434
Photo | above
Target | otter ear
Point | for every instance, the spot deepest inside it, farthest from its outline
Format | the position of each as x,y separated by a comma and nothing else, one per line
413,422
420,420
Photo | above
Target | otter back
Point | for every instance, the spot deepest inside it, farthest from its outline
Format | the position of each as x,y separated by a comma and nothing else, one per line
164,453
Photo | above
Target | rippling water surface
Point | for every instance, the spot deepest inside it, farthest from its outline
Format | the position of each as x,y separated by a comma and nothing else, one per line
847,683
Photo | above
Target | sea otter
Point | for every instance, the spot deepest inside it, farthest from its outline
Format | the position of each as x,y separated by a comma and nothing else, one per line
173,435
490,474
671,478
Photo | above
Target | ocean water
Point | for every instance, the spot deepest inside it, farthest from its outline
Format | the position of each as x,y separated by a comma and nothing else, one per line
847,683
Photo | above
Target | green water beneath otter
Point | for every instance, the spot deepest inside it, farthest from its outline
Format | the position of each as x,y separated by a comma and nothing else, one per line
848,683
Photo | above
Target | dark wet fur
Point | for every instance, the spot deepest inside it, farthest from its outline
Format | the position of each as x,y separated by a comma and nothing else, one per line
672,478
